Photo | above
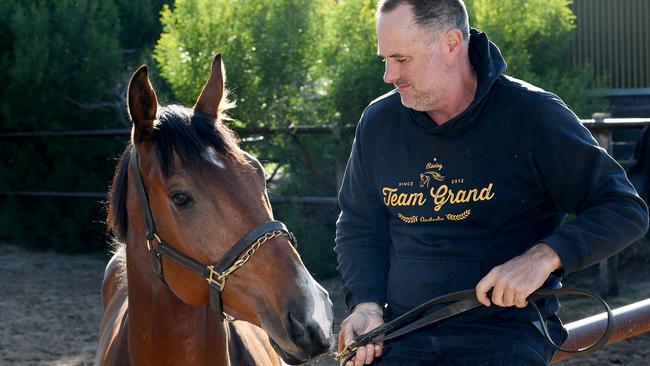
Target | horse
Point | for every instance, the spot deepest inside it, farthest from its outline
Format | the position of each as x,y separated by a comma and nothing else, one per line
184,197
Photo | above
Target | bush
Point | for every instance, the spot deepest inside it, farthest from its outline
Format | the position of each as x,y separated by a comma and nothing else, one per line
63,68
270,51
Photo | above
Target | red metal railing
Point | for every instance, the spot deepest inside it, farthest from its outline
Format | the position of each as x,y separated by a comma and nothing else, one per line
629,321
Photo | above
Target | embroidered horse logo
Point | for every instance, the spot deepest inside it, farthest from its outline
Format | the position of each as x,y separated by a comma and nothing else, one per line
425,178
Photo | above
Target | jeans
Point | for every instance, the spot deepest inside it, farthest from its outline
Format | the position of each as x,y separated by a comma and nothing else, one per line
512,343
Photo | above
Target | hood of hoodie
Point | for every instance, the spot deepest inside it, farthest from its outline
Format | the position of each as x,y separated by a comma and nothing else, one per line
488,64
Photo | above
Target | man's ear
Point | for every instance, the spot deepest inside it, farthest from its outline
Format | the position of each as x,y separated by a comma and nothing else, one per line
212,93
452,43
142,104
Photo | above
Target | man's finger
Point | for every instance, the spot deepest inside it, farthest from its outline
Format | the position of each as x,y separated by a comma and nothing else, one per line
520,301
497,295
343,336
370,353
360,357
378,348
508,297
482,289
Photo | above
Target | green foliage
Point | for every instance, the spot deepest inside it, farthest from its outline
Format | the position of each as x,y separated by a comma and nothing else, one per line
515,25
63,51
271,51
63,54
349,69
64,65
62,68
139,23
535,38
267,48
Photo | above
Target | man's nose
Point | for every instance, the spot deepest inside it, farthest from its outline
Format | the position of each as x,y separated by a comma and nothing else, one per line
391,74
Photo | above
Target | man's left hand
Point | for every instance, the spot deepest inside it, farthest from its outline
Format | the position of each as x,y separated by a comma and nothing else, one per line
512,281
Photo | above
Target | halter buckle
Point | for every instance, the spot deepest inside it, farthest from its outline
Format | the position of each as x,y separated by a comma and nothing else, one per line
345,352
214,277
149,241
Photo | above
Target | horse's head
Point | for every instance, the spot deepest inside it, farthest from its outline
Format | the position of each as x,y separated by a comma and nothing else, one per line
204,195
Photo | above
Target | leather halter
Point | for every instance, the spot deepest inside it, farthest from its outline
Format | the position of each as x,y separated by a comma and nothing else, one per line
217,273
461,302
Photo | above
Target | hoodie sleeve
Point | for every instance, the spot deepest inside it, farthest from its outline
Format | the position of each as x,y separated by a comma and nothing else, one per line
362,238
585,181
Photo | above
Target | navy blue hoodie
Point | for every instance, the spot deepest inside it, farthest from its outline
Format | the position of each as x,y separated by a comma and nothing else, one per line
430,209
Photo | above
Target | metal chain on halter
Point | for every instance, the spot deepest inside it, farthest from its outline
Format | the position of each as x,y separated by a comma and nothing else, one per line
220,278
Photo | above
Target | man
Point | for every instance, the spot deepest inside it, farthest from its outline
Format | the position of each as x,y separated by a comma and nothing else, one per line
461,178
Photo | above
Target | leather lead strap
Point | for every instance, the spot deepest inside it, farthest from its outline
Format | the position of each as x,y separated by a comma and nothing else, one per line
215,299
461,302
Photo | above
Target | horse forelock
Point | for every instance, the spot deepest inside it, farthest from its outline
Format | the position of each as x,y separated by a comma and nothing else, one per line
180,133
184,133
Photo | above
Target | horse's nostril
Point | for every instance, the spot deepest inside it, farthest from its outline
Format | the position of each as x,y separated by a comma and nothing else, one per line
307,334
295,329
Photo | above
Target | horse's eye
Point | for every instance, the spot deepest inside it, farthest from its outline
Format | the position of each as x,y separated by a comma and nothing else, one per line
180,199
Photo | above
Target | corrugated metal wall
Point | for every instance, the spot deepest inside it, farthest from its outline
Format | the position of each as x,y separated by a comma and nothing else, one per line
614,37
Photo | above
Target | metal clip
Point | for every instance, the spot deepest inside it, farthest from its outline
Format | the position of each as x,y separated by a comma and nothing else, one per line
149,241
216,278
345,352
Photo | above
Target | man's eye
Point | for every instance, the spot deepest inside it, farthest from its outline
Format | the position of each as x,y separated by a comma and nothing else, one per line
180,199
401,60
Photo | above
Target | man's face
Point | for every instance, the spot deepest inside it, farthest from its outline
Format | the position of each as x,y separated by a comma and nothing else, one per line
413,59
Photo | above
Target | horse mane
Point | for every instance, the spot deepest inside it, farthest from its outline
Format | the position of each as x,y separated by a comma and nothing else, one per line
179,132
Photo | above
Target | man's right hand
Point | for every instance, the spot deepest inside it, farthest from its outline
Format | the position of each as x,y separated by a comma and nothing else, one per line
365,317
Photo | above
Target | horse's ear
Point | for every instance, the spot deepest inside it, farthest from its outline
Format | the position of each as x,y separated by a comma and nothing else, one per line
142,104
212,92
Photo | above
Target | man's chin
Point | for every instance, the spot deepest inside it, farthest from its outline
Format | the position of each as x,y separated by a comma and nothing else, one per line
406,101
409,102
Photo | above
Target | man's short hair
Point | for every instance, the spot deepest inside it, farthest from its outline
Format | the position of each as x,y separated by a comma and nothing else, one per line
438,15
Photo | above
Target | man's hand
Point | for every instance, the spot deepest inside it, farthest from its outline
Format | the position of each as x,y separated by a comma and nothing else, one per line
365,317
514,280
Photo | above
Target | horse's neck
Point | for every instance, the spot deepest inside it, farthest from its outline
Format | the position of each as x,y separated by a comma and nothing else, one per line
164,330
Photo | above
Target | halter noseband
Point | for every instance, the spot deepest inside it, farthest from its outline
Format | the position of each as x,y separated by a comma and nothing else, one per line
216,274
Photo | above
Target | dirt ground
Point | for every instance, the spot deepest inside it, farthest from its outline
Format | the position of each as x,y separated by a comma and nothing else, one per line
50,309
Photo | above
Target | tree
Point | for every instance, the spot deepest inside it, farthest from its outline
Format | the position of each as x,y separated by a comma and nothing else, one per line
62,68
535,38
270,51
